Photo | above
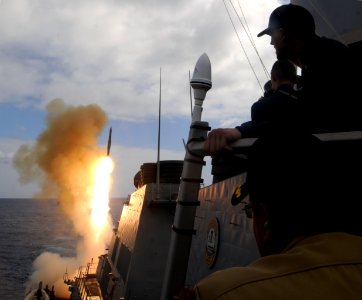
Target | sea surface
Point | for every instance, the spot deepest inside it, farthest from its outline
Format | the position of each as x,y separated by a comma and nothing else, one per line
28,227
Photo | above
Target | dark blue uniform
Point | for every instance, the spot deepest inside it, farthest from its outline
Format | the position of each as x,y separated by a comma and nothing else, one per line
278,111
330,96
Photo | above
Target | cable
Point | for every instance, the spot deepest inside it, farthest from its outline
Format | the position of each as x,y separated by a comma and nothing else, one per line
242,46
248,33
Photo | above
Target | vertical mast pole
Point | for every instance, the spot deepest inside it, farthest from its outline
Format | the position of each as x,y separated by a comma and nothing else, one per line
187,201
190,93
158,143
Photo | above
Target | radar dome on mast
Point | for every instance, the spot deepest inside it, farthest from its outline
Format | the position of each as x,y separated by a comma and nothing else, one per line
201,79
201,83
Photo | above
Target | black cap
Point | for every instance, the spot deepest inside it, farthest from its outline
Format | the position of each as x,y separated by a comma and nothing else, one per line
292,18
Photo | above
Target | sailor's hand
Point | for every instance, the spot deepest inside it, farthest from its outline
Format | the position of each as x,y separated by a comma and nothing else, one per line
218,139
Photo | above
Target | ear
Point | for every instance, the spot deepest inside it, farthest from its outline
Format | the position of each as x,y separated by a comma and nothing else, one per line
272,77
282,33
262,230
267,232
264,218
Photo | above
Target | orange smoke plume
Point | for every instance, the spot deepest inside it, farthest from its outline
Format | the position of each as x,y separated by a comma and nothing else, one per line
63,161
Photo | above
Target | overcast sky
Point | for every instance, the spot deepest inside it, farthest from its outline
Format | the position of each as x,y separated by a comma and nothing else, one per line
110,53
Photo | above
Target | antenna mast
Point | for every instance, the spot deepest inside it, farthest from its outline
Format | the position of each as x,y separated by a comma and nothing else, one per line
158,144
190,93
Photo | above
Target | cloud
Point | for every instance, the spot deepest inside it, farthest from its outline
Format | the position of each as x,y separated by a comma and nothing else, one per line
110,53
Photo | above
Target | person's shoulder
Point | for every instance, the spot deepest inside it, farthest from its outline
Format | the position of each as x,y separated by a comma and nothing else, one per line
288,268
242,280
260,101
225,281
331,45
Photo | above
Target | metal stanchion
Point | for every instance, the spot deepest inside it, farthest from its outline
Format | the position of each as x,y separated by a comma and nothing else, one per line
183,226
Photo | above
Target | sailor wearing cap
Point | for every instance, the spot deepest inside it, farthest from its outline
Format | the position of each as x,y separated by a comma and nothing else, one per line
329,81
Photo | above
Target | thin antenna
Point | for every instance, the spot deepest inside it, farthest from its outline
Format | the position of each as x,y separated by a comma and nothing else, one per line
158,145
190,93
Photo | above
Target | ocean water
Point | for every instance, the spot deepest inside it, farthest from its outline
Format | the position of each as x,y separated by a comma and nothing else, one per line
29,227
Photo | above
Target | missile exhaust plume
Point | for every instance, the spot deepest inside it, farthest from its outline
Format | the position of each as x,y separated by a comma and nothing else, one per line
63,161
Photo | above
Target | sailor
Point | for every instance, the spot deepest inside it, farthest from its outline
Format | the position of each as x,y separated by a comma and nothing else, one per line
329,81
278,110
306,231
329,95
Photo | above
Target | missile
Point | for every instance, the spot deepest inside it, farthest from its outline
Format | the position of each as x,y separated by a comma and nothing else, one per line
109,141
